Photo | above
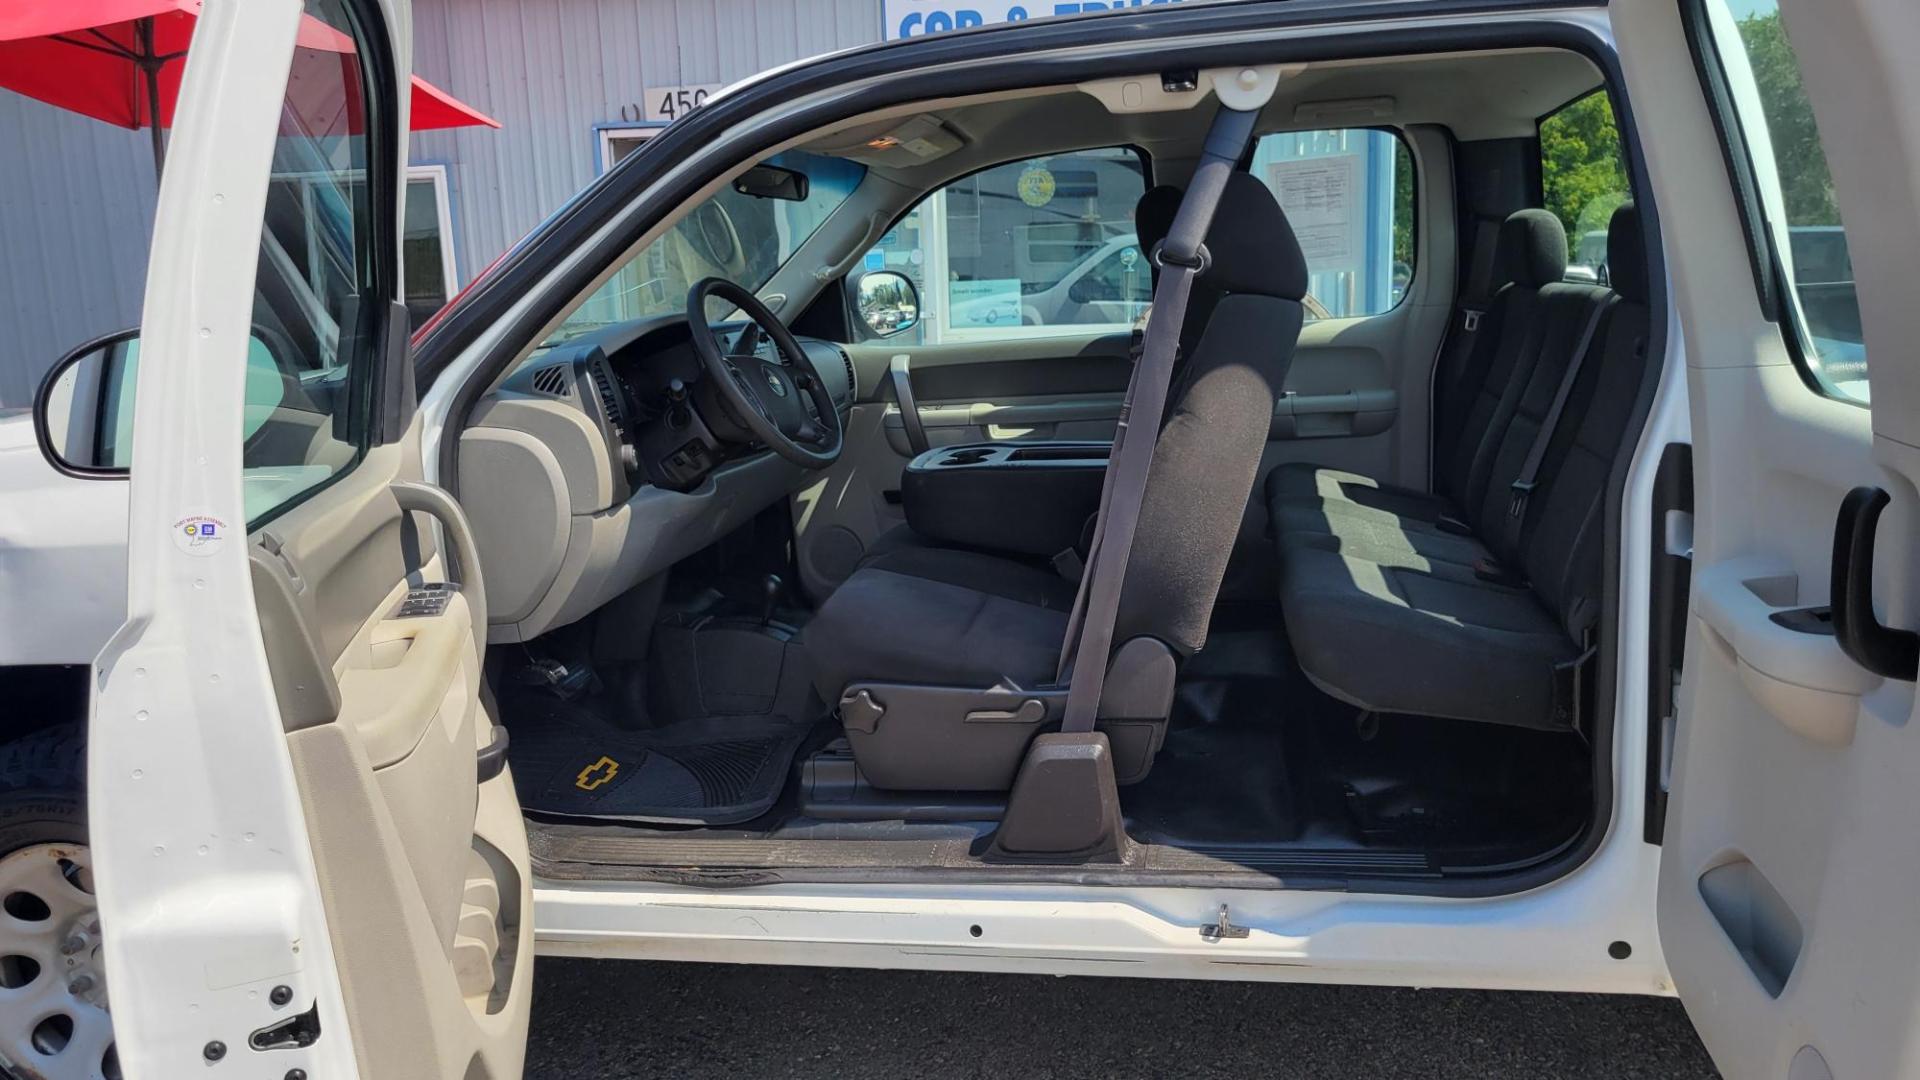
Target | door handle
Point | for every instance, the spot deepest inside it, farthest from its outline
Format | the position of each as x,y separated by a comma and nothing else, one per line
1883,650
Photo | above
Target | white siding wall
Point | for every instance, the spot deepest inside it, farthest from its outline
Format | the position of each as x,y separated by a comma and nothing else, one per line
76,195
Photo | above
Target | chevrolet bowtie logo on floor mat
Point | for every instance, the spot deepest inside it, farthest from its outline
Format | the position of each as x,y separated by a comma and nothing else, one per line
597,774
704,771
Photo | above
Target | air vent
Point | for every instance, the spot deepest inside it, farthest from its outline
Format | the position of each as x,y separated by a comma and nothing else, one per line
853,381
552,381
609,400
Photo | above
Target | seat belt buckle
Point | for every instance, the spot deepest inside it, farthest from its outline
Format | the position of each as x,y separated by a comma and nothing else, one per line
1493,573
1517,503
1470,319
1068,564
1571,679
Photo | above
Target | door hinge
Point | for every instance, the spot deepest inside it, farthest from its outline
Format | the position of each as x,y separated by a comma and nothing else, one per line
1222,928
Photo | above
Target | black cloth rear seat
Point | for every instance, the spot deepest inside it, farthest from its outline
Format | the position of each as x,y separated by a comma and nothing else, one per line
1309,500
1432,603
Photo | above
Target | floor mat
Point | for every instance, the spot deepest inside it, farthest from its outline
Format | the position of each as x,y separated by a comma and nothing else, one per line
1261,767
718,770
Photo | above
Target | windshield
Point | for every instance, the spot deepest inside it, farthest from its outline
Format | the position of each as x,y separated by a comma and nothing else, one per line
743,238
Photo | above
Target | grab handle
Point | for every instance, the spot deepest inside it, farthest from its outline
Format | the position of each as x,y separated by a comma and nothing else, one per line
1883,650
464,559
899,371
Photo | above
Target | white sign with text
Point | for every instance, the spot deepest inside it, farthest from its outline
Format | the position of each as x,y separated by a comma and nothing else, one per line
665,104
1321,198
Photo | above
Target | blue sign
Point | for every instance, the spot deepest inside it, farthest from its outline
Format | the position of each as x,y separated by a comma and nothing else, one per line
916,18
876,260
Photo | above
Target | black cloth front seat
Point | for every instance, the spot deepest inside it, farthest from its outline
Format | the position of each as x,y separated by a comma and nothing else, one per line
959,618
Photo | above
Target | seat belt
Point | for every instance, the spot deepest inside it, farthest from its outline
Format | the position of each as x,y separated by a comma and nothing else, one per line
1479,291
1182,257
1529,478
1456,360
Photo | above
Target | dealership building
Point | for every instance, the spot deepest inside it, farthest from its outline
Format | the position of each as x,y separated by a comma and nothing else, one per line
576,86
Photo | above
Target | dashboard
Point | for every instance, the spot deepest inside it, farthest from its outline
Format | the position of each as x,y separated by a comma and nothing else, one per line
643,384
602,461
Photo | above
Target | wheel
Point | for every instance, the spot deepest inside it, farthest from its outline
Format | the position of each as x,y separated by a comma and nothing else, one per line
783,404
53,994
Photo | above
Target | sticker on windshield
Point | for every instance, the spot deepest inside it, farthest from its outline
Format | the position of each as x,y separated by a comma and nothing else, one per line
199,534
1036,186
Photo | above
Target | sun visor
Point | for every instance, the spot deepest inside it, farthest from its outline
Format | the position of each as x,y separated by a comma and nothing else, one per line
894,144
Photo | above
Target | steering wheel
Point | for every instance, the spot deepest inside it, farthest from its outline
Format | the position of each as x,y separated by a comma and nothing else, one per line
763,395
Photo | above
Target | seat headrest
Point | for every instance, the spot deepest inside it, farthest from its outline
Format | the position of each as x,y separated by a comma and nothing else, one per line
1252,245
1627,254
1533,248
1153,216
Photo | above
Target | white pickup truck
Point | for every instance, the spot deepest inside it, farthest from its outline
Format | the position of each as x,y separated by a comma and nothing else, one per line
63,561
1570,681
63,592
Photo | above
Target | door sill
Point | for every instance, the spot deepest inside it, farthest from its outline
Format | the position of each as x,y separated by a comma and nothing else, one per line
568,852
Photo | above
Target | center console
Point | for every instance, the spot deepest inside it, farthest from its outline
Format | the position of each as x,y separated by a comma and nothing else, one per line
1022,498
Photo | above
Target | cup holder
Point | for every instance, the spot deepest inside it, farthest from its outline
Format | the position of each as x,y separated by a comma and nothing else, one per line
970,456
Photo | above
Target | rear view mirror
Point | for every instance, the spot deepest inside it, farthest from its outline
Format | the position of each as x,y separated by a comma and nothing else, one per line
772,182
888,302
83,412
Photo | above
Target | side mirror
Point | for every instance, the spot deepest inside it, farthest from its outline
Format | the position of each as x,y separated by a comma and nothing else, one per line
83,411
888,302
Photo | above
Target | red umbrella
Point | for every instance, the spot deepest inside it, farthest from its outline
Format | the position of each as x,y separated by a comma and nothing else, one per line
115,60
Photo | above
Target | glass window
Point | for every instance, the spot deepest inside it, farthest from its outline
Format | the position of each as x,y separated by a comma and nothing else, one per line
426,249
319,296
743,238
296,203
619,144
1796,192
1585,180
1349,195
1025,247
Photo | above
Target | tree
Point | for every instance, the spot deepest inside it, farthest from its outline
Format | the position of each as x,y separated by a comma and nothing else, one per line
1804,179
1580,166
1583,171
1403,212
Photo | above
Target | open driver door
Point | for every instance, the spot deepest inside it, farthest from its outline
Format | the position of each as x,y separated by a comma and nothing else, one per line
309,855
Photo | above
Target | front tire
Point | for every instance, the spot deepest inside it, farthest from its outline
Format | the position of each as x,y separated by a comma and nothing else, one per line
53,1001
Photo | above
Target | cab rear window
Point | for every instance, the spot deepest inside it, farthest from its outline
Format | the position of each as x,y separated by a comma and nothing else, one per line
1585,180
1349,194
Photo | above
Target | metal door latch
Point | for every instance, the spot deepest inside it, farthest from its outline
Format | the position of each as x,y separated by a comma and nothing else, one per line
1222,928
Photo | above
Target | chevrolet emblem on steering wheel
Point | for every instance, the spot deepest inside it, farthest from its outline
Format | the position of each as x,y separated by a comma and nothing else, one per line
779,388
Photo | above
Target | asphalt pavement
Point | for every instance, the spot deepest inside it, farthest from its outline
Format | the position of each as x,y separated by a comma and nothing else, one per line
608,1018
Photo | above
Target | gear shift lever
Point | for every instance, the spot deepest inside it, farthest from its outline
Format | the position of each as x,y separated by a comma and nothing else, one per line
770,586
